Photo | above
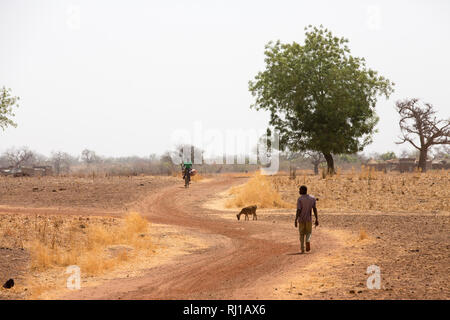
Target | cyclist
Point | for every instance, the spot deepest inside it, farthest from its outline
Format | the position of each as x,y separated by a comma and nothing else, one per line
186,167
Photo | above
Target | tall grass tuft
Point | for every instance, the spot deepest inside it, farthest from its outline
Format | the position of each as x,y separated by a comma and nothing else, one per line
363,234
259,191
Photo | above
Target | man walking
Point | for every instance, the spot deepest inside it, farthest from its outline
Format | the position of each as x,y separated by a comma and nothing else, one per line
305,204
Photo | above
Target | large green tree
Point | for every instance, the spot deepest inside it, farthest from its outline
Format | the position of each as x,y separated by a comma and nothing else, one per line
320,97
7,102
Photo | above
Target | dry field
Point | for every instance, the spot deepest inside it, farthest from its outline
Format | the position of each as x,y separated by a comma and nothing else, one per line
364,191
402,222
104,193
369,191
41,234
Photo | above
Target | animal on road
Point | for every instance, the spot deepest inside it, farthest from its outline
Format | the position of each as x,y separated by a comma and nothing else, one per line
250,210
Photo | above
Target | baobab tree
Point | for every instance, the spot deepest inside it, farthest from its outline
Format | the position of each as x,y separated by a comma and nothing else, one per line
292,157
316,158
20,157
421,128
61,161
89,157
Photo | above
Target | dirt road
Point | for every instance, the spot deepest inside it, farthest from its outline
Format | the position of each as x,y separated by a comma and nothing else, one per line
203,252
244,259
260,260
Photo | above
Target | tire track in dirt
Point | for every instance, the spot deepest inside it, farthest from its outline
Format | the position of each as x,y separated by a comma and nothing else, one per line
233,267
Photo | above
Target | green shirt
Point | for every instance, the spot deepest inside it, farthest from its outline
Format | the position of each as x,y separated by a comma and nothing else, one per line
188,165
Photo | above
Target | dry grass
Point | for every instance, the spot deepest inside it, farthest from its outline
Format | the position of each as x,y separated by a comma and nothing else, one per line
238,174
37,290
369,190
363,234
197,177
257,191
54,241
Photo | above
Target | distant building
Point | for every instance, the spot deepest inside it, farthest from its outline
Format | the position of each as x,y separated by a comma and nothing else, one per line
43,171
377,165
406,164
440,164
392,165
39,171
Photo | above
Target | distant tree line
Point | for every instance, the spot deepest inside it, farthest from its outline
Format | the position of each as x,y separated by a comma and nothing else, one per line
88,162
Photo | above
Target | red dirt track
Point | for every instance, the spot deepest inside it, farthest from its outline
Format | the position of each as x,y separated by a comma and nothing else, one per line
260,260
229,269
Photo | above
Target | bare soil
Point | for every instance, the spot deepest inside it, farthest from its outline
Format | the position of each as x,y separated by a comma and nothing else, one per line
114,194
14,264
260,260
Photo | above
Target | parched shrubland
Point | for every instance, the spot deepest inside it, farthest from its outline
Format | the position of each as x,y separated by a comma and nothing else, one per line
95,244
369,190
351,191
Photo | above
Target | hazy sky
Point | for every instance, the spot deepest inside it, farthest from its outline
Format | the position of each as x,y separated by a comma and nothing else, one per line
119,77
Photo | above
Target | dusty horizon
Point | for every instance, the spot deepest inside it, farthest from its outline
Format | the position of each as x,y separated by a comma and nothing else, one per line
121,79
